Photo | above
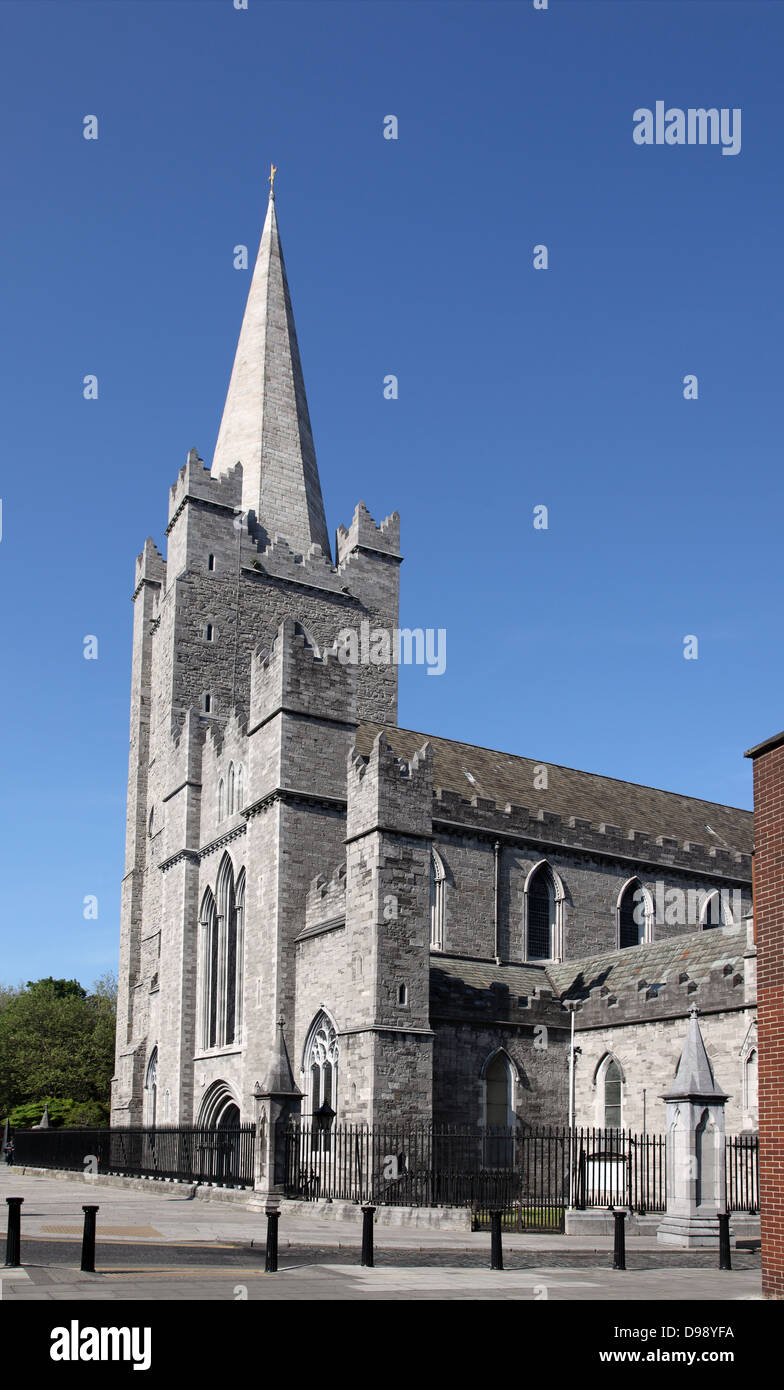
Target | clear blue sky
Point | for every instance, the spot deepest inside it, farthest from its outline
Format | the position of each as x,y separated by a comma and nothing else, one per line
412,257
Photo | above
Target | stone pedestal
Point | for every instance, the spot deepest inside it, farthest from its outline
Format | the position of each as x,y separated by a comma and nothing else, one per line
695,1150
277,1101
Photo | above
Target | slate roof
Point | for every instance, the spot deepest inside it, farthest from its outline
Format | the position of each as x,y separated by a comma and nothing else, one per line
696,954
481,990
506,778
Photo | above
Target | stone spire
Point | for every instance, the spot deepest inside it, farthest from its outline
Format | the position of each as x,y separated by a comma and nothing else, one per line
694,1078
265,424
279,1080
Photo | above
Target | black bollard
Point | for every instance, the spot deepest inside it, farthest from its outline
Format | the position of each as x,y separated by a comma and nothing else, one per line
367,1235
273,1216
496,1252
13,1244
88,1240
619,1250
725,1259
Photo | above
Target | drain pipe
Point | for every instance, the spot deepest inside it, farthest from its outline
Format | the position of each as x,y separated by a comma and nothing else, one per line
496,890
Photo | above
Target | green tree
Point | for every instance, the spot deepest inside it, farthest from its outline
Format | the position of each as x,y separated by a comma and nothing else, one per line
56,1040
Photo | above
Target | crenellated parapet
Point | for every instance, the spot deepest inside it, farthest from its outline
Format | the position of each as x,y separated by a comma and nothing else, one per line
150,567
659,980
388,793
364,535
294,677
313,569
548,828
325,904
195,483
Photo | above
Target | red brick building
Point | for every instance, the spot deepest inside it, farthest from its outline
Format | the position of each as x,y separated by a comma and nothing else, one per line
768,758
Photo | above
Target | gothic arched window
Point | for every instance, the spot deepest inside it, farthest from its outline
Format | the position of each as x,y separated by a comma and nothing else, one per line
221,799
221,960
229,955
716,912
499,1111
234,973
541,915
498,1091
613,1091
208,972
750,1093
631,915
437,901
151,1090
240,789
230,791
321,1064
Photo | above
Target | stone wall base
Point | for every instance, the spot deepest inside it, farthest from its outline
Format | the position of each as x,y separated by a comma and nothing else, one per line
425,1218
690,1232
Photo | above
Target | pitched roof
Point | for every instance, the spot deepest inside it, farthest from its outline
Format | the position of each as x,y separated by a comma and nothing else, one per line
696,954
506,778
478,990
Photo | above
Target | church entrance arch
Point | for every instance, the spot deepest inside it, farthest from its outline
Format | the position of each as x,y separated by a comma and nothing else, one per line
218,1145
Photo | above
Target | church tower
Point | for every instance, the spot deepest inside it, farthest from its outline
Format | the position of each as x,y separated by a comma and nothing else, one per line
241,726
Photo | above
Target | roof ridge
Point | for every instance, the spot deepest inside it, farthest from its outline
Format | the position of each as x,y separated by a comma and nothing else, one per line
565,767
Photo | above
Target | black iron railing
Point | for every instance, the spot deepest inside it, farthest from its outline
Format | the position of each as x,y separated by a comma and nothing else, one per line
616,1167
531,1175
743,1173
428,1166
186,1153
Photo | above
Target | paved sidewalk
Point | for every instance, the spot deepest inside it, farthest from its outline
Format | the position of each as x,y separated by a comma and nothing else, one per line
165,1217
342,1282
53,1207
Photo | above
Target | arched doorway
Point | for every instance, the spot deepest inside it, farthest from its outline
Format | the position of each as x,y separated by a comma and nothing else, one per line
218,1145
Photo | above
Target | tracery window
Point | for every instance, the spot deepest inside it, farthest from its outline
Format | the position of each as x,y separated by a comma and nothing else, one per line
321,1064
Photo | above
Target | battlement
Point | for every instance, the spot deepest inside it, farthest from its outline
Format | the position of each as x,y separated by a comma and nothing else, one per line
364,534
196,483
295,677
150,566
186,741
326,898
392,792
315,569
659,979
576,832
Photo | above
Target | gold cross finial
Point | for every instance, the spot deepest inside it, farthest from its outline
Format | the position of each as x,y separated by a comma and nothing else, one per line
273,171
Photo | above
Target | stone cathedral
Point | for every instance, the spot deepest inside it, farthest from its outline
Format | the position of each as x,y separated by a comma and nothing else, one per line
320,903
